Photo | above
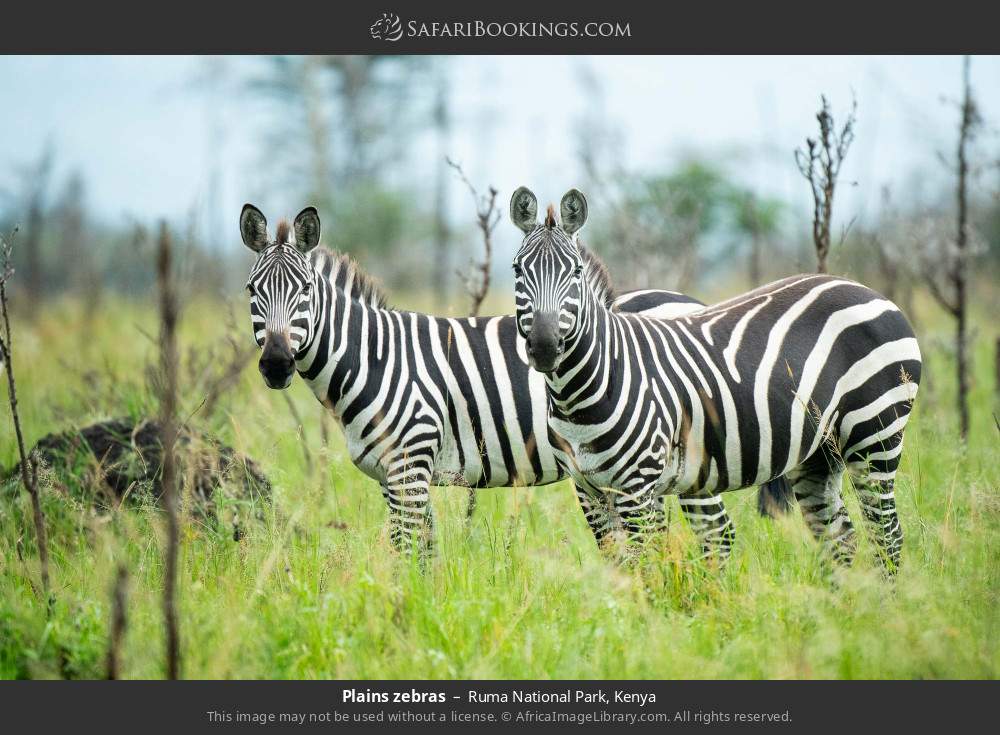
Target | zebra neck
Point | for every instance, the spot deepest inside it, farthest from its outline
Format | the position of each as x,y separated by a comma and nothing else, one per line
320,296
586,380
336,363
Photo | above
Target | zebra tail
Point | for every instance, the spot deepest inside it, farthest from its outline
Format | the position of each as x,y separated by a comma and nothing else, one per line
774,498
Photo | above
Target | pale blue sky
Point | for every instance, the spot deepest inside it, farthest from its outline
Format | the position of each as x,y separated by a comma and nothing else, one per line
137,127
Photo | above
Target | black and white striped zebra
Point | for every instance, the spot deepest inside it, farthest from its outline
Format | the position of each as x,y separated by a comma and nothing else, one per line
422,400
805,377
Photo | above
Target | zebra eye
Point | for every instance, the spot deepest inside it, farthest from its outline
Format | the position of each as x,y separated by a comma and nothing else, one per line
307,289
517,270
578,271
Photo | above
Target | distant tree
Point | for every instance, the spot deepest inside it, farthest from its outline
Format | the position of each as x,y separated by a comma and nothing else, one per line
354,111
355,118
649,223
820,162
441,116
37,179
69,215
945,262
657,225
758,218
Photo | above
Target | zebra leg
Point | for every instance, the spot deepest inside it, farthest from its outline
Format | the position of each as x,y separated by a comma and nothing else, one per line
662,517
878,505
774,498
470,509
710,521
641,513
407,492
411,521
819,496
874,473
595,511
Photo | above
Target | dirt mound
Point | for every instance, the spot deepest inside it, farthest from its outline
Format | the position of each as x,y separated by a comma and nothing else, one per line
119,461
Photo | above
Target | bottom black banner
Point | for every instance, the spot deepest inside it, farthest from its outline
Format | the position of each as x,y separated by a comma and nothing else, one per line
677,705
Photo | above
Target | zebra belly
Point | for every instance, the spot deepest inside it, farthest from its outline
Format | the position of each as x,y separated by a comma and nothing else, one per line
669,470
449,469
614,468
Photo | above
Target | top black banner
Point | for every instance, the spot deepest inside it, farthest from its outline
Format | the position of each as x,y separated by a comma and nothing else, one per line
437,27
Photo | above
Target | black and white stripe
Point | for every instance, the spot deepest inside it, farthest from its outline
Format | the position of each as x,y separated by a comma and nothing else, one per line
806,377
422,400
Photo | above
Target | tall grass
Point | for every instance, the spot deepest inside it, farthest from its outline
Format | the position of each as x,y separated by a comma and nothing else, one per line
313,590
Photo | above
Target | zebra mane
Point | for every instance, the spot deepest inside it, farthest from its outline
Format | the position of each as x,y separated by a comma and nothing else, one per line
283,233
341,270
598,276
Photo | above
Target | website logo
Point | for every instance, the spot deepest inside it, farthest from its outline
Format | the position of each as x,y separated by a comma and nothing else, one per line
387,28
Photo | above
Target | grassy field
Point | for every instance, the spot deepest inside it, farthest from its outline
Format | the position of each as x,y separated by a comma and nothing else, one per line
313,591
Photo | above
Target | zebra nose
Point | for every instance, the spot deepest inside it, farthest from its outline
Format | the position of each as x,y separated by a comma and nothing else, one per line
533,349
277,363
545,344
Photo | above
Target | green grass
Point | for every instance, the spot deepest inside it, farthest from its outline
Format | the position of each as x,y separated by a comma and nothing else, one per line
314,591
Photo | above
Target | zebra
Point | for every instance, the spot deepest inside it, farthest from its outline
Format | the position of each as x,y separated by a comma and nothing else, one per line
421,400
807,377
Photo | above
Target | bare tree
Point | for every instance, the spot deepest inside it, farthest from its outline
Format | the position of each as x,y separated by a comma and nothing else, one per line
70,215
29,470
38,181
477,279
820,164
948,280
441,116
970,119
168,438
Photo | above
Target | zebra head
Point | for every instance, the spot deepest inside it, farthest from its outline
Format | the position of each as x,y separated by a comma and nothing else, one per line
281,287
548,275
387,28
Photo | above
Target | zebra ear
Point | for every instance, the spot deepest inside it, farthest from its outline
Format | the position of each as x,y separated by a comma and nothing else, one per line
307,229
253,228
573,211
524,209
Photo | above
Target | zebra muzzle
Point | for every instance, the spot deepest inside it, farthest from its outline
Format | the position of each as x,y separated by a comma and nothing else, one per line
545,343
277,362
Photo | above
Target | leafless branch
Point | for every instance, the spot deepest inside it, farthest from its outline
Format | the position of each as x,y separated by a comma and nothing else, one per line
945,301
945,256
820,164
168,419
959,266
29,470
477,279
